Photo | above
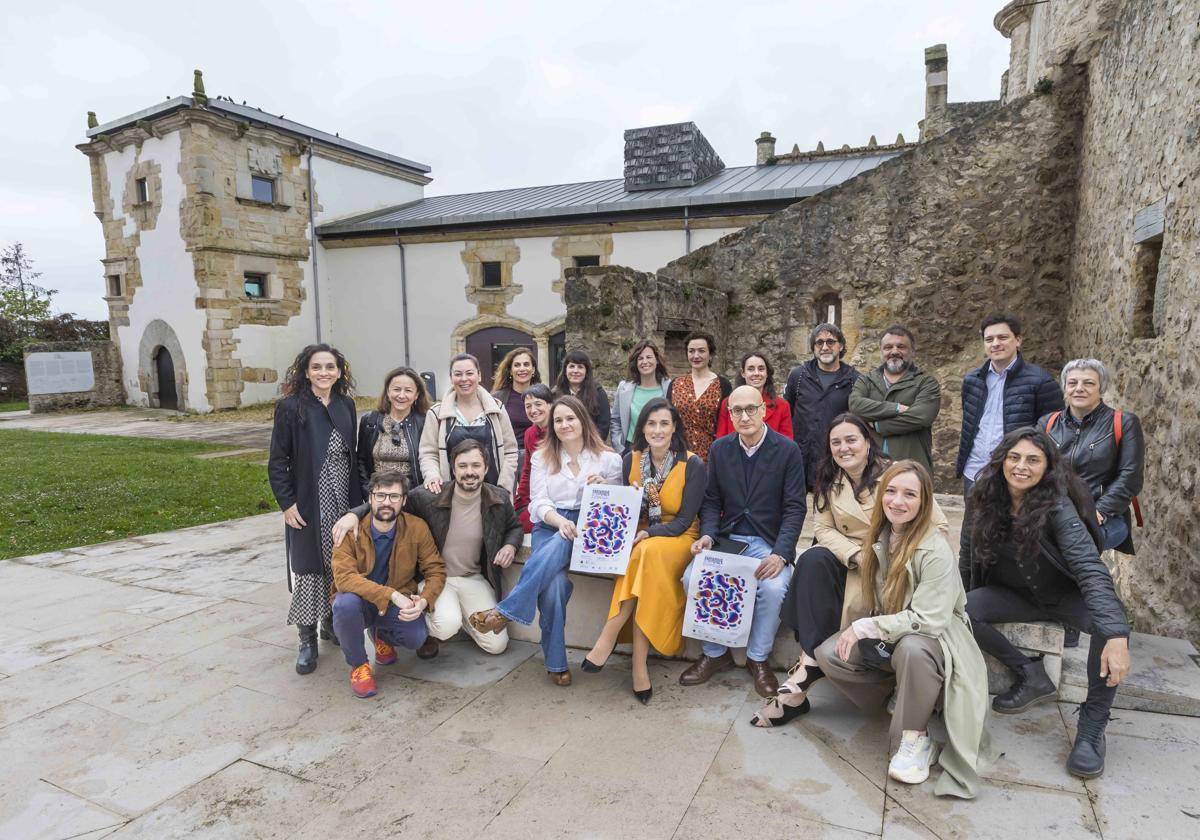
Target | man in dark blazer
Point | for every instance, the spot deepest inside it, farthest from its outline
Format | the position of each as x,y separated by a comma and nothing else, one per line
756,497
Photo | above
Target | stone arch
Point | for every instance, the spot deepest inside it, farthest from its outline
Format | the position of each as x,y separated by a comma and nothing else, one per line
541,333
158,334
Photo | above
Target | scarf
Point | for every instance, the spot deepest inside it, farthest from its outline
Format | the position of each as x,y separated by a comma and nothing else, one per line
652,484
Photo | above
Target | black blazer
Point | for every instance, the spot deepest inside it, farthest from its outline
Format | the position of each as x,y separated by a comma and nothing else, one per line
774,504
299,440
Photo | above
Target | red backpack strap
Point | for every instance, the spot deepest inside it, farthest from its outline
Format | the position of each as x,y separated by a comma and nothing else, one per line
1050,421
1137,508
1117,426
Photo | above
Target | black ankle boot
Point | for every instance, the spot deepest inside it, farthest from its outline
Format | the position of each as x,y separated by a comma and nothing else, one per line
1087,756
1031,687
306,660
327,631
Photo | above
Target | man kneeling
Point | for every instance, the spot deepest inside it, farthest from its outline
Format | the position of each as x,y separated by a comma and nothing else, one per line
375,576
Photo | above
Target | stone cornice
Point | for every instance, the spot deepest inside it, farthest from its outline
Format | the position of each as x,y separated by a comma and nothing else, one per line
1012,16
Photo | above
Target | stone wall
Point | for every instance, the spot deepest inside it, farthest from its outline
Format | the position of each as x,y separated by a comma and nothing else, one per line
975,221
106,368
1141,144
12,381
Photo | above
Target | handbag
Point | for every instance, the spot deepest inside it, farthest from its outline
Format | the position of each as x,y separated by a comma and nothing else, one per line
876,654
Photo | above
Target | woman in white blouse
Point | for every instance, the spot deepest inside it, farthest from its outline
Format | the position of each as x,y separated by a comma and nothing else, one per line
572,456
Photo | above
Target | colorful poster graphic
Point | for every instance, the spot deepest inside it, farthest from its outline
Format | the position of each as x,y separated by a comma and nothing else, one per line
720,599
607,524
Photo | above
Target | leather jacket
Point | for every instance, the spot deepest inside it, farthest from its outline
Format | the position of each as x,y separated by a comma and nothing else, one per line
369,429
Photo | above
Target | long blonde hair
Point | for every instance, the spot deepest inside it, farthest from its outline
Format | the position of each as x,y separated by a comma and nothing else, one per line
551,447
895,584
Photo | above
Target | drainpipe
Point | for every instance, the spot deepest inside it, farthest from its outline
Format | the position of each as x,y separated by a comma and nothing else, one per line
687,233
312,226
404,300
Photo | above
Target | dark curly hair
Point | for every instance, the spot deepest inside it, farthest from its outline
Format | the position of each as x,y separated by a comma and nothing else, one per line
295,382
994,524
829,473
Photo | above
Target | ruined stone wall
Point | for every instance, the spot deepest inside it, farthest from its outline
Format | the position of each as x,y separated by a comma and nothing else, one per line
976,221
1141,144
106,370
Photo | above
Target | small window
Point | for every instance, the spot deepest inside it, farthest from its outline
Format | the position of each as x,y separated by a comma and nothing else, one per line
1145,278
585,262
491,275
255,285
263,189
114,285
828,309
143,191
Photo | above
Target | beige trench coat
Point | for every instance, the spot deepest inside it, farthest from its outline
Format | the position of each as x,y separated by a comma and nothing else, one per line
842,527
936,606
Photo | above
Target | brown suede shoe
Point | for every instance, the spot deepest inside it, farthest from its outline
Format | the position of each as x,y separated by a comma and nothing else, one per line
704,668
560,678
428,649
764,678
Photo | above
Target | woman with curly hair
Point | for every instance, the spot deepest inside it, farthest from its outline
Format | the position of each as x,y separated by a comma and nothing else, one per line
313,472
1032,556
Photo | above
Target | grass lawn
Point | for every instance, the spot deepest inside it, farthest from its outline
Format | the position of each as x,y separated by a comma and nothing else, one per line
63,490
261,413
15,405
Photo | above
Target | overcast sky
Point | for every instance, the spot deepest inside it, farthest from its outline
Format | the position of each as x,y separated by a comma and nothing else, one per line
491,95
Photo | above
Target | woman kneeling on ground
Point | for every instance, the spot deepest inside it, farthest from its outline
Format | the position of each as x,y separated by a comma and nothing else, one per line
673,481
915,639
572,456
1033,556
825,594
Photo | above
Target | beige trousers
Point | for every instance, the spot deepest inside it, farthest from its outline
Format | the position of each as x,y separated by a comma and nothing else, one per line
461,597
917,673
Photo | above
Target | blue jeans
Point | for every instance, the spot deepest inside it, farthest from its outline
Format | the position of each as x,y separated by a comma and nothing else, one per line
544,586
767,601
1116,530
353,614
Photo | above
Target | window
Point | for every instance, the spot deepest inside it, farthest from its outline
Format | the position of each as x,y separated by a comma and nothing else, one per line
828,309
114,285
585,262
263,188
1145,278
143,191
491,275
255,285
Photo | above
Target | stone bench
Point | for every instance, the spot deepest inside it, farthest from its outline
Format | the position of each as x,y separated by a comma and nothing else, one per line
1033,638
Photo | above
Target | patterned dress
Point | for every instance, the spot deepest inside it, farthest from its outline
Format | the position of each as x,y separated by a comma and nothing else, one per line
313,594
699,414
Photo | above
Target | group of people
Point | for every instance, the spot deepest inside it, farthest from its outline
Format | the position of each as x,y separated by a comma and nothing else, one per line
402,523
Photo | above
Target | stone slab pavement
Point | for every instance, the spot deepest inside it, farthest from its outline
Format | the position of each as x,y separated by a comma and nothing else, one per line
147,689
144,423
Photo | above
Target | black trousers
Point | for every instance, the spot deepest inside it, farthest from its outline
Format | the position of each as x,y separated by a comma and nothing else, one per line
812,608
990,605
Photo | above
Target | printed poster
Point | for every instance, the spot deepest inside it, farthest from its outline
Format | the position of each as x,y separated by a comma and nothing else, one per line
720,599
607,524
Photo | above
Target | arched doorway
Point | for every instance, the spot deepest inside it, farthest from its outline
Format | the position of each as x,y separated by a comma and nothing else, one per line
491,344
558,352
164,374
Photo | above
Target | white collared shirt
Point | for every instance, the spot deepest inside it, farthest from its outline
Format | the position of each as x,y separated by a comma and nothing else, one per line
750,450
550,491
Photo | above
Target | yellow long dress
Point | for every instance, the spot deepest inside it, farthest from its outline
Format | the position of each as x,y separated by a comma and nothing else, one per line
654,570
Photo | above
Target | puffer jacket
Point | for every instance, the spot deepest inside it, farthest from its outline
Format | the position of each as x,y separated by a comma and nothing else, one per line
1070,546
1029,392
1113,473
814,407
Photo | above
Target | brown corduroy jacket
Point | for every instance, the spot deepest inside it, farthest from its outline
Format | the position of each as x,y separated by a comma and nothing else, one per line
413,547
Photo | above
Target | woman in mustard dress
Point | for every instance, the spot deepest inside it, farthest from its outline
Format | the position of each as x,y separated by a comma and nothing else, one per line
650,591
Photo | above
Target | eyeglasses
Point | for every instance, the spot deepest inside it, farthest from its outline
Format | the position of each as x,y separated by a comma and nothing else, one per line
826,342
387,497
747,411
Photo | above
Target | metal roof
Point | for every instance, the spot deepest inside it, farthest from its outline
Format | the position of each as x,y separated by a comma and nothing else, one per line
735,185
257,115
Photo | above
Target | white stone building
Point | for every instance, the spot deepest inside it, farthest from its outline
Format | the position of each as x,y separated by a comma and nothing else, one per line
215,277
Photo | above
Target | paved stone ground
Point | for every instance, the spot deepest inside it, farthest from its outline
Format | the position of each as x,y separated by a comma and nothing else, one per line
146,423
147,689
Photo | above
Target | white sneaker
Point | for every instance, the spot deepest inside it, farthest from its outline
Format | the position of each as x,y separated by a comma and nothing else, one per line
911,762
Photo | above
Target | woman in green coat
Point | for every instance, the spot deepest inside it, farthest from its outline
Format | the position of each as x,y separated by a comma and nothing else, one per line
916,639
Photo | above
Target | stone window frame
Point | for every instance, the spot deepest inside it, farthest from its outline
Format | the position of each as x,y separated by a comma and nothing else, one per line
141,191
1149,272
264,281
245,264
569,246
492,279
256,180
144,213
114,286
491,300
262,161
115,269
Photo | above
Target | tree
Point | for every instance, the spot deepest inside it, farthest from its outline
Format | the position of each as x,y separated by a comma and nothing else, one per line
21,299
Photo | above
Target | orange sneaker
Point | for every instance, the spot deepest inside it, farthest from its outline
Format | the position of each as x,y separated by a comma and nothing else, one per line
385,654
362,681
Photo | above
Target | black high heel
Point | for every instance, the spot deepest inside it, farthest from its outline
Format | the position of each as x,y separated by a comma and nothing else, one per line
790,713
590,667
644,696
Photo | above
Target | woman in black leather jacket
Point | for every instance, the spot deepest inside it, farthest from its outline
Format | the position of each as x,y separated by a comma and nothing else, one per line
1032,556
1086,434
390,436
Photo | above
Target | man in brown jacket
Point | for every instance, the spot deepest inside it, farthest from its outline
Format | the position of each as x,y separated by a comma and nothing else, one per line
375,576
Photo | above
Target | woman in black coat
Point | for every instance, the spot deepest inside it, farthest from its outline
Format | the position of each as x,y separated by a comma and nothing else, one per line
314,475
1033,556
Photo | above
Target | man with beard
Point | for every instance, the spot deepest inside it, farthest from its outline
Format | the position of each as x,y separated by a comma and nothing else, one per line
818,391
898,400
375,576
